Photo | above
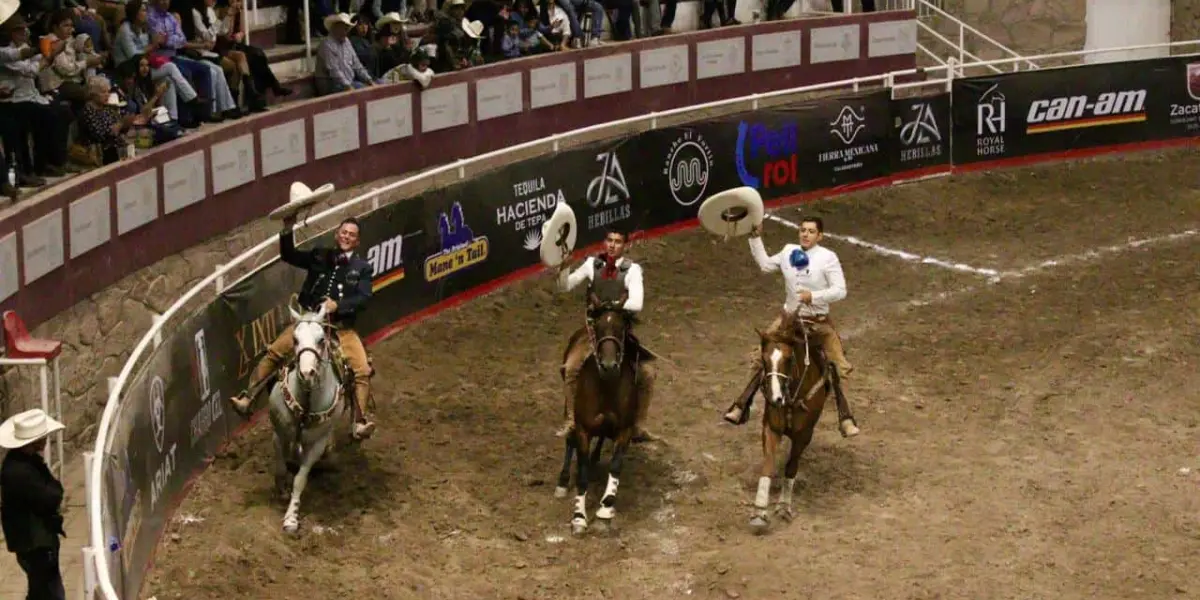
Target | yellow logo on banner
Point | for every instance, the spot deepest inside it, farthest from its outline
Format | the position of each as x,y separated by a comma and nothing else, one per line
460,247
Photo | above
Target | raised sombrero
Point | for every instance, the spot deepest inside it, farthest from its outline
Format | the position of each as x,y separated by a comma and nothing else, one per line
732,212
299,198
558,236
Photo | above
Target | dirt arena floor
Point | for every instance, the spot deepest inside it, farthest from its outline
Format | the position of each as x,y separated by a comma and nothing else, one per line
1033,437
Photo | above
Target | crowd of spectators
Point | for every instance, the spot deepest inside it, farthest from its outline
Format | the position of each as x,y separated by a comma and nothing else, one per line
81,87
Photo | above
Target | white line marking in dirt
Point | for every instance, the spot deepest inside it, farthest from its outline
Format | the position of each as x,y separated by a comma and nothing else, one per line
901,254
1099,253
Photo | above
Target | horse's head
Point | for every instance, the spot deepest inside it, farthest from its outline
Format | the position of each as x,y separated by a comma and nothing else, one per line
780,364
610,325
309,336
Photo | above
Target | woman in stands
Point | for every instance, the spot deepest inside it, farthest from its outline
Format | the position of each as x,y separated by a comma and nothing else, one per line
133,39
142,96
229,39
28,111
64,77
102,125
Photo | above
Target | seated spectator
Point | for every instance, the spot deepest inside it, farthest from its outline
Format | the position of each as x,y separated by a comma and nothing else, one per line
391,44
27,112
206,76
534,35
84,19
558,30
65,76
229,42
144,98
338,68
417,71
366,50
572,8
101,123
133,40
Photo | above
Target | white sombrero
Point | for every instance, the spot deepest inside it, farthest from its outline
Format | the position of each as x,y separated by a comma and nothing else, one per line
8,8
299,198
732,212
558,236
339,18
25,428
388,19
473,28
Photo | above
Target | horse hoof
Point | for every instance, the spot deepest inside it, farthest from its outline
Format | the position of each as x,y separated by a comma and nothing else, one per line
758,525
560,492
291,527
784,513
849,429
578,526
606,513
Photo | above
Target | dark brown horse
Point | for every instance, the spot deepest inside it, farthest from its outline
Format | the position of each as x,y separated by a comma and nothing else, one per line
795,383
606,407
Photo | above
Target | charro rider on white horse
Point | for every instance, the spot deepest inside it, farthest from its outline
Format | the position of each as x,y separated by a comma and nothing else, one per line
813,279
613,278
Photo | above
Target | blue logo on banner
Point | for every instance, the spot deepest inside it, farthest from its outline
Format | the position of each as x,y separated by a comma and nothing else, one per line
776,148
460,247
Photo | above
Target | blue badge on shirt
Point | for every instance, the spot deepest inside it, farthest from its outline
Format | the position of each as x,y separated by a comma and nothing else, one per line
799,258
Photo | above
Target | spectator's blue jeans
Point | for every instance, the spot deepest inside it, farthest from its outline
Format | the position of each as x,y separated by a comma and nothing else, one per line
179,89
574,7
210,77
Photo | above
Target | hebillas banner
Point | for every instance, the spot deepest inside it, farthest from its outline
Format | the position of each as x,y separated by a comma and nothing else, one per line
1054,110
920,132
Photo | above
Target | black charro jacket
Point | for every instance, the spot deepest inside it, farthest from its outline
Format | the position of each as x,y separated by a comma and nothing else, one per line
346,282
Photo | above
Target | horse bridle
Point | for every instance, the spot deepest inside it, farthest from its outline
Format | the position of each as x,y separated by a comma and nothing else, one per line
784,379
319,351
620,341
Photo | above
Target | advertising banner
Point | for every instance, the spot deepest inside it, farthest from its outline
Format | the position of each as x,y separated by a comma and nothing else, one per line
921,132
1054,110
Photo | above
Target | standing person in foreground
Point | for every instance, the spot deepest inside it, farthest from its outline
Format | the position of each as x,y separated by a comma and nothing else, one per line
611,278
339,279
31,503
813,279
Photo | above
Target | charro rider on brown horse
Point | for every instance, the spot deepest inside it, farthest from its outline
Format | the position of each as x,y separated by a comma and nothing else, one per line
611,278
341,280
813,279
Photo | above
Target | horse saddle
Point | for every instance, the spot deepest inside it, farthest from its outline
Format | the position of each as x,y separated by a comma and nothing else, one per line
644,354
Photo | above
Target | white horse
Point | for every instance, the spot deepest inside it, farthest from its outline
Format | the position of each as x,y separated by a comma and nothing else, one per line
306,404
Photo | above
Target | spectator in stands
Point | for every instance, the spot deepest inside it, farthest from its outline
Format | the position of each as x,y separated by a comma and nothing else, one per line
206,76
365,49
416,70
143,97
554,24
840,5
65,76
31,502
378,10
710,7
249,63
133,40
83,18
573,8
31,113
338,68
102,124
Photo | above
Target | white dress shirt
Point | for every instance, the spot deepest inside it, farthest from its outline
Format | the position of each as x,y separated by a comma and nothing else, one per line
823,276
585,272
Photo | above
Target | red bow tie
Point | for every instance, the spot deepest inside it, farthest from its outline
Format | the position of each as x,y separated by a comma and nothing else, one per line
343,260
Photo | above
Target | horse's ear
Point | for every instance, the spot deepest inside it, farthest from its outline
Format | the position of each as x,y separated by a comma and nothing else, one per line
762,337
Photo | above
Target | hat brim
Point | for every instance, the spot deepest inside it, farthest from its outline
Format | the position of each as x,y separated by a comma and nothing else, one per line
8,8
559,233
732,212
8,433
334,19
298,203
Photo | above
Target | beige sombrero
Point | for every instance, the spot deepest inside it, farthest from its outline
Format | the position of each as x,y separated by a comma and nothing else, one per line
339,18
558,236
732,212
25,428
388,19
8,8
299,198
473,28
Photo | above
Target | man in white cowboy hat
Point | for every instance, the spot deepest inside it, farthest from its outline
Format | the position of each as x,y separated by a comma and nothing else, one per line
338,68
611,277
31,502
338,279
812,279
457,38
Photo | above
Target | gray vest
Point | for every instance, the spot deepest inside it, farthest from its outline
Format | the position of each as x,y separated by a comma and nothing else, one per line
608,290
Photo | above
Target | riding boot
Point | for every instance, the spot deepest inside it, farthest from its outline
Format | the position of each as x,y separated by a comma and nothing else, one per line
266,369
739,412
364,425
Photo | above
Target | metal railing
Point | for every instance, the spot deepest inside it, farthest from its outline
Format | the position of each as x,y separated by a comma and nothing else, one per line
95,470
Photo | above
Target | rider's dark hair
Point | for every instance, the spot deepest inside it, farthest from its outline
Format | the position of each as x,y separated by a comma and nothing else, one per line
351,221
816,221
617,230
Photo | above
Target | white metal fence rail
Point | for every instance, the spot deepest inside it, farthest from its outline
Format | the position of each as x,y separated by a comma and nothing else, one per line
95,556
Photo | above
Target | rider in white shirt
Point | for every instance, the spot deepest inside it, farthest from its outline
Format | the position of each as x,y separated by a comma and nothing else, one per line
812,279
611,277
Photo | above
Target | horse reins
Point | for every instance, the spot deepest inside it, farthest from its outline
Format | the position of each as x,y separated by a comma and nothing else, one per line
784,379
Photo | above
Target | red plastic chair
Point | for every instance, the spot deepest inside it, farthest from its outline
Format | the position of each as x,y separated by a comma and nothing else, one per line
18,343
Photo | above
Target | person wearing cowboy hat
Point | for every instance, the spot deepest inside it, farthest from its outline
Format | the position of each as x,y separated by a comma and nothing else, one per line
339,279
456,38
31,503
416,70
27,113
338,68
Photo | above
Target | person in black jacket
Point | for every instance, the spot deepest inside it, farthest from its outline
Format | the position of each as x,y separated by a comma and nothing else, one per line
339,279
31,503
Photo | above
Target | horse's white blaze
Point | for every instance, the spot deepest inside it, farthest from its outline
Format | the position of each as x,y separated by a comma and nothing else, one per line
785,494
763,497
306,337
776,360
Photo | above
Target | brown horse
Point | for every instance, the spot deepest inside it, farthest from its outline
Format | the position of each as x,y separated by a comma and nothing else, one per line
606,407
795,382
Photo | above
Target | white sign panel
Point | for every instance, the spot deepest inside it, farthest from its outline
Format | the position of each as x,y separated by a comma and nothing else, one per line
232,163
552,85
183,182
90,221
137,201
389,119
720,58
444,107
607,75
831,44
42,244
775,50
335,132
890,38
663,66
498,96
10,280
283,147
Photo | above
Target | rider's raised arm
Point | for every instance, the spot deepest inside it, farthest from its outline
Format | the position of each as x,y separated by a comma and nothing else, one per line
288,252
567,283
767,264
835,279
358,296
633,285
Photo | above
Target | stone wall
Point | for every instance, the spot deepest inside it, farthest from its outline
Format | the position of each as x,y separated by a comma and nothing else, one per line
1185,22
1028,27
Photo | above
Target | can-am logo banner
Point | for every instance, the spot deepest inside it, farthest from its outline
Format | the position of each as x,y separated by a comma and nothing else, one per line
1054,110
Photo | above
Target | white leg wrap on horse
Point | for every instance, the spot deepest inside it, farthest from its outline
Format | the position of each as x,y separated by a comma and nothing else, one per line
785,494
581,504
609,510
763,497
611,489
